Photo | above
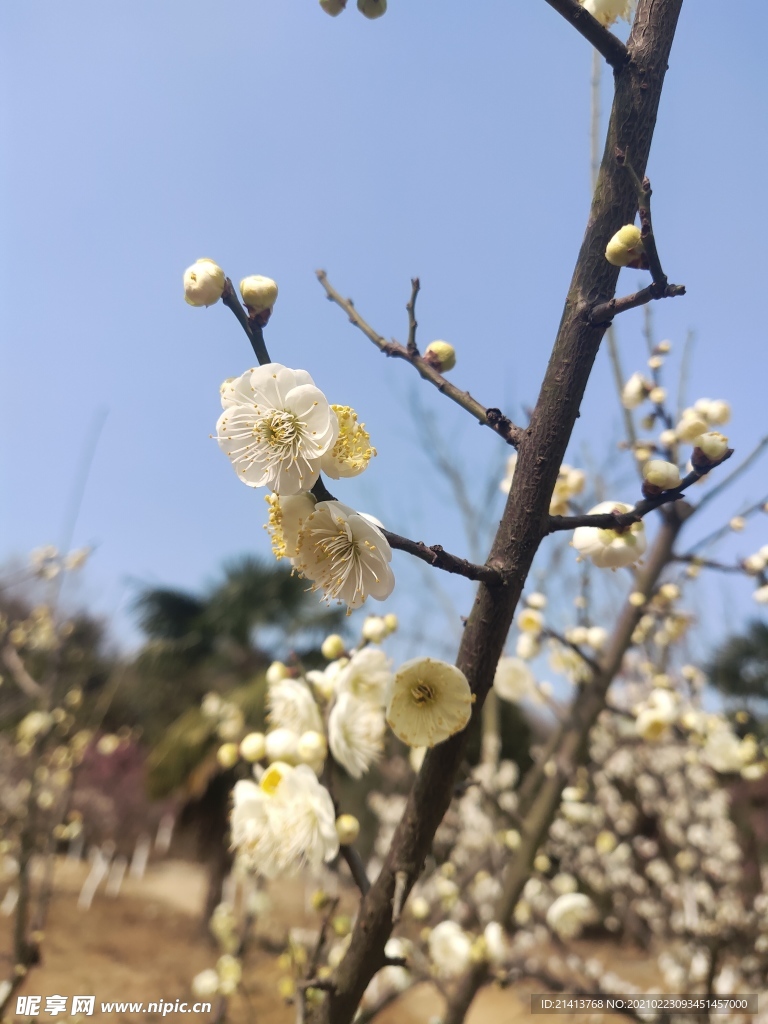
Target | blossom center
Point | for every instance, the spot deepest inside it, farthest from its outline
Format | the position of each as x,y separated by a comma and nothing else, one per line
422,694
282,430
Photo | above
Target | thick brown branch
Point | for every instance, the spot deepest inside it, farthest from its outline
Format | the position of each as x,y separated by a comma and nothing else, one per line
622,520
492,418
524,523
436,555
604,312
605,42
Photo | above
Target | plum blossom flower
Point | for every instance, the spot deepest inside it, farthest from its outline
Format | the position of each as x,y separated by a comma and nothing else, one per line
610,549
450,948
366,675
292,706
344,555
569,913
352,451
284,823
275,428
355,733
513,680
286,517
609,11
428,701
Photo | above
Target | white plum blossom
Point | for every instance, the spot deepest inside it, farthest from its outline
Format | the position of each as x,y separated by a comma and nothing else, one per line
610,549
355,733
275,428
635,391
352,451
366,675
344,555
286,517
259,293
292,706
656,715
569,913
285,823
609,11
428,701
450,948
513,680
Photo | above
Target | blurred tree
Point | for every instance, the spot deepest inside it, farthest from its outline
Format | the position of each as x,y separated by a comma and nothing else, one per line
739,668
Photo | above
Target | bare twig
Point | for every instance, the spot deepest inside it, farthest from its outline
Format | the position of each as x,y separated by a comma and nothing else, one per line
554,635
604,312
605,42
412,323
622,520
492,418
436,555
249,323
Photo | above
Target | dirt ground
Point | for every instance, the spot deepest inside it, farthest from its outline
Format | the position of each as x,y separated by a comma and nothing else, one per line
147,943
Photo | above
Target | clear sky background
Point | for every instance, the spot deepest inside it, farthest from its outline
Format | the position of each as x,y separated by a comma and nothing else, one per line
449,141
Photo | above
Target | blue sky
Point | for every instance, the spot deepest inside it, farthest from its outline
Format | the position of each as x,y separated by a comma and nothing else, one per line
448,141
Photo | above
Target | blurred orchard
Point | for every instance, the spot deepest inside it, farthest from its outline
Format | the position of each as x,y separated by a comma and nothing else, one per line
454,825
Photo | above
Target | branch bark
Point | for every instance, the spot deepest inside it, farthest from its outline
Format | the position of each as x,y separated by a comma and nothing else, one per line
605,42
526,516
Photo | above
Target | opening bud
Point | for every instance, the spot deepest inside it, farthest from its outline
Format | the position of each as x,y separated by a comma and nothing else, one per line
625,249
259,293
441,356
203,283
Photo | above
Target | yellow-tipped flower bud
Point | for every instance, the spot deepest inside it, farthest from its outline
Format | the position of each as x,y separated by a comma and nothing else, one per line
663,475
253,747
259,293
227,755
391,622
203,283
441,356
626,247
713,444
332,647
347,828
372,8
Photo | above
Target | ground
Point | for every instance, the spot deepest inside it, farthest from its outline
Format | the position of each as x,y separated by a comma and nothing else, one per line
147,943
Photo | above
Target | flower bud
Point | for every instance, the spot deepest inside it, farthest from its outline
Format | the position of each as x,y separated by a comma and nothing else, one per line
658,395
625,249
333,7
391,621
374,629
203,283
312,748
663,475
347,828
718,412
713,445
738,523
441,356
259,293
276,671
635,391
690,427
332,647
664,347
227,755
282,745
253,747
372,8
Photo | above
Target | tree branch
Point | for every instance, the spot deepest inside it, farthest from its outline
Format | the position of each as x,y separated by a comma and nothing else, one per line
250,324
412,323
525,520
605,42
437,556
606,311
492,418
622,520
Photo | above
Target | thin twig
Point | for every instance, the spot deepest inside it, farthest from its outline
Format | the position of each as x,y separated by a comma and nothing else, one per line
604,312
721,531
248,323
437,556
756,452
705,563
622,520
492,418
554,635
412,322
605,42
